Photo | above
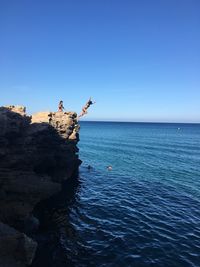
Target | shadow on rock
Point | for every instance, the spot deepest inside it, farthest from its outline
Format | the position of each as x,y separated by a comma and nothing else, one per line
35,159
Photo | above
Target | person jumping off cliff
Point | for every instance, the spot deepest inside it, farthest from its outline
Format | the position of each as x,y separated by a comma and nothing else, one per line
60,106
85,108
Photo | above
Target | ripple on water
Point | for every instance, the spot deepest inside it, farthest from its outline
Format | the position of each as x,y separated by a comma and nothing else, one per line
145,212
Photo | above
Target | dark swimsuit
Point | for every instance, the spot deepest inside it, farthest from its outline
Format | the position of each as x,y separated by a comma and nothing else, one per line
89,103
60,107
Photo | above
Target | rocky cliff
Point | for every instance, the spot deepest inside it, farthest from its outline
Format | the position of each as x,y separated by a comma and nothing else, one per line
37,153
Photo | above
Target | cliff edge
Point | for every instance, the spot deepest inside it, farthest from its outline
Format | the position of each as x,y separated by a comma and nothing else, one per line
37,153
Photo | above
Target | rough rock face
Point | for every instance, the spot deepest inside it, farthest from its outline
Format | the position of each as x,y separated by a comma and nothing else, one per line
16,249
18,109
64,122
36,155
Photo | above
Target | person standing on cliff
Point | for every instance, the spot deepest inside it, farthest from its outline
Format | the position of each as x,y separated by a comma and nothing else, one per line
85,108
60,106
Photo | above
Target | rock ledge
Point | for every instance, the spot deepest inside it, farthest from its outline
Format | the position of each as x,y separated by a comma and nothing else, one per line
37,153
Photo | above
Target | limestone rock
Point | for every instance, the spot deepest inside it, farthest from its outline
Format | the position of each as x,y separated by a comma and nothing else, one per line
41,117
16,249
36,155
20,192
64,122
12,123
17,109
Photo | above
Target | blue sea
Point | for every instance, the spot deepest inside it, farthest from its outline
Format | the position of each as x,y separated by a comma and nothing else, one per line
146,210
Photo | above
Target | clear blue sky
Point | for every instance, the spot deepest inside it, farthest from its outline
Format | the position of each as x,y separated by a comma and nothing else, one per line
139,59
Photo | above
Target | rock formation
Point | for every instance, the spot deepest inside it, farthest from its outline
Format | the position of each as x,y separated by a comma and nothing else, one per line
36,154
16,249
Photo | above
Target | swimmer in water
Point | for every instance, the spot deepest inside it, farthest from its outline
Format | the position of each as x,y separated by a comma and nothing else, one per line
109,168
89,167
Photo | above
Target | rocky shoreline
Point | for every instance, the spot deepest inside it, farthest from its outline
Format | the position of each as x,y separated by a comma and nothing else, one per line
37,154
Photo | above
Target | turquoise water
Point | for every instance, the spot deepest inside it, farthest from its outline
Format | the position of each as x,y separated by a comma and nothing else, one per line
144,212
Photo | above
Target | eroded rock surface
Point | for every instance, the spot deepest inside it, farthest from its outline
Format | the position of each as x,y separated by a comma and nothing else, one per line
16,249
36,154
64,122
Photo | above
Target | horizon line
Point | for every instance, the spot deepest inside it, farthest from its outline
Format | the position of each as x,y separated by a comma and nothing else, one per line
159,122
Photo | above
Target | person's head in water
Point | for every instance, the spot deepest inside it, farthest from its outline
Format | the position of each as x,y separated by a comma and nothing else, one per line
89,167
109,168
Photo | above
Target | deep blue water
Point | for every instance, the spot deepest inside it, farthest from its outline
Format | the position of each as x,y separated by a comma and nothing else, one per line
146,210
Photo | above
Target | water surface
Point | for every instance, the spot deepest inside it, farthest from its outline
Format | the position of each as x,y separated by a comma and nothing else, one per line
145,212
